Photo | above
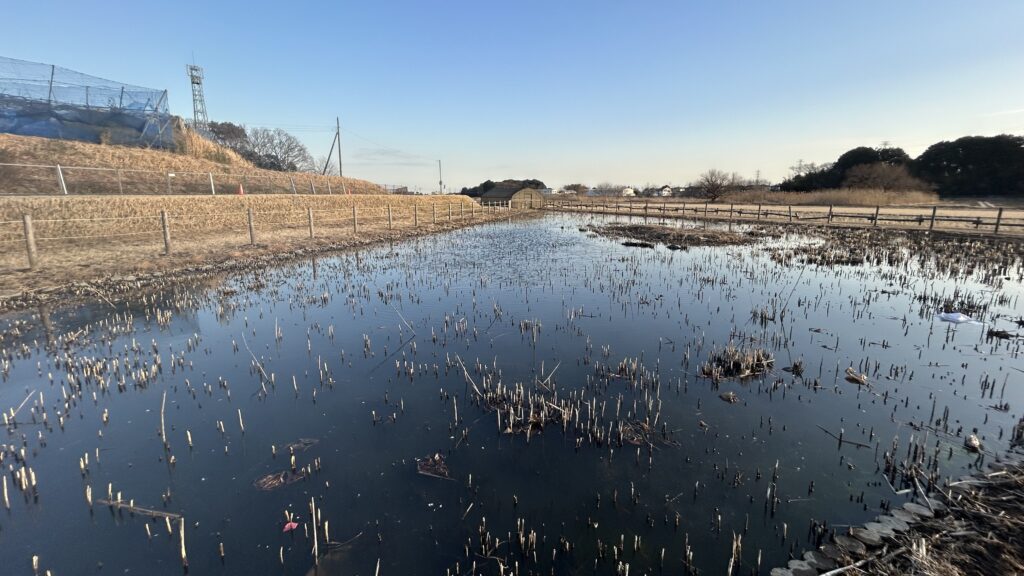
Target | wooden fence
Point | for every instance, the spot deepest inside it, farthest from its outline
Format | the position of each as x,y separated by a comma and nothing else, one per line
986,220
167,226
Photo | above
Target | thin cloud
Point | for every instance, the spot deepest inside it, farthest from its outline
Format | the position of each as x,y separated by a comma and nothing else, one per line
386,156
1005,113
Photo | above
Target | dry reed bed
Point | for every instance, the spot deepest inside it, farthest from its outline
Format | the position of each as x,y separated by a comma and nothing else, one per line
840,197
110,216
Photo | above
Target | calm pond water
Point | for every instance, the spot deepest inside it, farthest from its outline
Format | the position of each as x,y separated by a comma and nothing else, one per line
353,360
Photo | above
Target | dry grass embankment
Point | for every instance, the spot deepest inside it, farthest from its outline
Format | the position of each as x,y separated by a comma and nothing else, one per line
92,238
145,171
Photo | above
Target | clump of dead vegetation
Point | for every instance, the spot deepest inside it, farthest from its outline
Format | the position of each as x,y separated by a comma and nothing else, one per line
646,235
733,362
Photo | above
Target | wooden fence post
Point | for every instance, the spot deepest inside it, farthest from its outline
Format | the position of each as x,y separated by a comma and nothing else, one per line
60,180
462,211
449,211
932,223
166,226
309,216
292,180
312,189
999,220
829,213
434,206
30,242
705,210
169,176
213,189
390,224
875,219
252,229
415,215
120,185
790,208
758,212
355,221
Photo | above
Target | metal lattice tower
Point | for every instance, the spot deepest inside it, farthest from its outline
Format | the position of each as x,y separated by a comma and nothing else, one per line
195,75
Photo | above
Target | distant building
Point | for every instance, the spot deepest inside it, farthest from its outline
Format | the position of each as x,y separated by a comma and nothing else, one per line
519,197
628,192
665,191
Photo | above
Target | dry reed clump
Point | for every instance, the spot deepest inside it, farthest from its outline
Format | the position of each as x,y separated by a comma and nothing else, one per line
191,168
77,216
733,362
673,237
842,197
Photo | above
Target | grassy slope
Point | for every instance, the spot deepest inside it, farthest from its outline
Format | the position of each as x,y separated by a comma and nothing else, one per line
196,155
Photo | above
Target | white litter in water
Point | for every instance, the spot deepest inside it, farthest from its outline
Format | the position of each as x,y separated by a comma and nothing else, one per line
955,317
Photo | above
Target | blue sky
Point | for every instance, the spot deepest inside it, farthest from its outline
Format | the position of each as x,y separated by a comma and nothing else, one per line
629,92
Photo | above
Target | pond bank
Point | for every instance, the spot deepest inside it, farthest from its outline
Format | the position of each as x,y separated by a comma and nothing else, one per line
959,530
110,271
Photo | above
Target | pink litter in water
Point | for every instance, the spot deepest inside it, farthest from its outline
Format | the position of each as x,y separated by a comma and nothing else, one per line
290,526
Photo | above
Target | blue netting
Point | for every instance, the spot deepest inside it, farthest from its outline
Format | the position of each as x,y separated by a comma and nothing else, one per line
45,100
56,85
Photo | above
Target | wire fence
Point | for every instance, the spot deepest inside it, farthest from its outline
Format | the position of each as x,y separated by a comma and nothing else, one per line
59,180
166,231
998,221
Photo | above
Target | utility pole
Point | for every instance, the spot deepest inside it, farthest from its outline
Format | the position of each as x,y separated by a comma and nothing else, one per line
337,121
440,179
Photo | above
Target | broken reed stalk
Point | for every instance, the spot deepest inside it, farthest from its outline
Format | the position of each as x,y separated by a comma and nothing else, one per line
163,432
122,505
181,531
14,414
316,540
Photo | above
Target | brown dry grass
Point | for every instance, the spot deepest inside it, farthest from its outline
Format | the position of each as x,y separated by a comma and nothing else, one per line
90,238
115,216
842,197
145,171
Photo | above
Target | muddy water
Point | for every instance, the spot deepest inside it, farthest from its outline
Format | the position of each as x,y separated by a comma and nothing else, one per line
520,299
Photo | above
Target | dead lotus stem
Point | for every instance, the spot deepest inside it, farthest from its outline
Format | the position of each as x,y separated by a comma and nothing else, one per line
181,531
163,431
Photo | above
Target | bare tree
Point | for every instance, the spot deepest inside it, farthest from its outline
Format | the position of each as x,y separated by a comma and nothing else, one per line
713,184
607,189
884,176
291,154
324,160
577,188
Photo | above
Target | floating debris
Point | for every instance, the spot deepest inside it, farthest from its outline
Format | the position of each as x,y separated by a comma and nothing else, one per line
972,443
856,377
279,479
647,235
433,466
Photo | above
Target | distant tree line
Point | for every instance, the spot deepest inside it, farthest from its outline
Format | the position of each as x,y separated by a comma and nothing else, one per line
968,166
270,149
479,189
